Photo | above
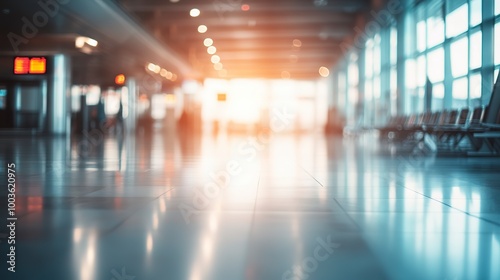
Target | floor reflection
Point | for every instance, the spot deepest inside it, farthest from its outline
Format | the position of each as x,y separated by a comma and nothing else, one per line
183,206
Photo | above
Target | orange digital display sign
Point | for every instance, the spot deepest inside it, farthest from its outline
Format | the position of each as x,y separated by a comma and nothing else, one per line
30,65
38,65
221,97
21,65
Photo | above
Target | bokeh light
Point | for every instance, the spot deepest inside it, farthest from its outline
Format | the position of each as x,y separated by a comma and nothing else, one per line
215,58
194,12
211,50
208,42
218,66
223,73
324,72
297,43
202,28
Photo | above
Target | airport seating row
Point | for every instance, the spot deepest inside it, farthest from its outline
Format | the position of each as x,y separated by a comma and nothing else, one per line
469,131
449,131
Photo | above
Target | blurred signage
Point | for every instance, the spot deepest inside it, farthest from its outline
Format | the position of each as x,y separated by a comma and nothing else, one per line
30,65
221,97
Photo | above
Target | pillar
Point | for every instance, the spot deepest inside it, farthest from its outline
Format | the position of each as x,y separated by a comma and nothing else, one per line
130,121
58,97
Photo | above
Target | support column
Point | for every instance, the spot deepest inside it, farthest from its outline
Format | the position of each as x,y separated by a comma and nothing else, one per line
448,78
131,120
488,69
384,105
58,97
404,33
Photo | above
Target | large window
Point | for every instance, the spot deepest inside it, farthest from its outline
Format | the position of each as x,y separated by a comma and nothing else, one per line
497,43
437,97
476,46
342,91
497,40
460,92
435,68
421,31
459,53
456,21
475,89
372,97
435,24
442,45
352,91
391,70
476,12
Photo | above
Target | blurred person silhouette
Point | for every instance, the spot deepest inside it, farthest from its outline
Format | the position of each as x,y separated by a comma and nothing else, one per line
119,124
93,120
101,115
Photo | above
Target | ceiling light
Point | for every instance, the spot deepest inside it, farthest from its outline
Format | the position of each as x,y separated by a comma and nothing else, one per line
194,12
215,58
223,73
163,73
285,74
297,43
324,72
211,50
174,1
202,28
80,42
151,67
245,7
208,42
218,66
91,42
154,68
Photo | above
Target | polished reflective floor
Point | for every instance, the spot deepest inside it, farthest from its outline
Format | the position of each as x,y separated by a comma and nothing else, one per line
243,207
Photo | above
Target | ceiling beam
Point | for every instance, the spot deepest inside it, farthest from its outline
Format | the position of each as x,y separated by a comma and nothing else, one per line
299,33
251,55
231,6
169,18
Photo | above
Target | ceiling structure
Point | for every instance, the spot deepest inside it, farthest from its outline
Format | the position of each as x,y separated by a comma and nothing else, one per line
253,38
121,45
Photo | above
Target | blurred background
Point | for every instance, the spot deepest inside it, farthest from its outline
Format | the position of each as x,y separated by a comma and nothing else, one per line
228,139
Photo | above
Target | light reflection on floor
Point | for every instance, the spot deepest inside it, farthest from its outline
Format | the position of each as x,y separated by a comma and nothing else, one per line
191,207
